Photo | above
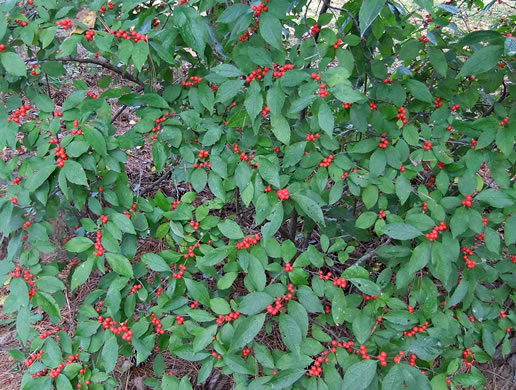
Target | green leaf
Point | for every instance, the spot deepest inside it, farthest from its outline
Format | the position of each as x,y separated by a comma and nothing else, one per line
120,264
290,332
159,155
257,273
78,244
155,262
254,303
37,178
139,54
75,173
325,118
366,286
246,330
420,91
13,64
47,303
459,294
309,300
369,11
199,179
204,338
268,171
82,273
110,354
360,375
362,326
280,128
198,291
310,208
366,220
220,306
426,348
270,30
95,139
401,231
483,60
495,198
230,229
227,70
510,230
123,222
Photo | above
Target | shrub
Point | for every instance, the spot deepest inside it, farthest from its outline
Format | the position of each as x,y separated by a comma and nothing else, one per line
332,193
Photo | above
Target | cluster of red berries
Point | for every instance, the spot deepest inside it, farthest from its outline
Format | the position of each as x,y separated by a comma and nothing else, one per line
90,34
288,267
283,194
455,107
504,121
326,161
382,357
22,3
427,145
77,132
431,182
402,115
434,234
34,70
216,355
103,9
28,277
2,47
398,357
468,252
340,282
344,175
244,157
279,71
316,77
98,245
194,80
16,181
65,23
48,333
416,329
363,352
337,44
368,298
159,121
513,259
127,213
40,373
316,369
347,105
55,372
61,156
191,249
438,103
324,277
402,168
180,319
315,29
92,95
21,22
267,189
423,38
104,219
20,112
157,323
413,359
265,111
135,288
13,200
228,317
179,275
381,214
194,225
480,237
246,352
384,142
425,206
33,357
194,304
322,90
468,357
467,202
503,314
440,165
129,35
108,323
181,2
259,73
175,204
410,309
372,106
273,310
312,137
247,242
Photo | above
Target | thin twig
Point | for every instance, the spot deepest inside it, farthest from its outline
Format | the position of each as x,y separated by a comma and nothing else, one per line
119,113
371,253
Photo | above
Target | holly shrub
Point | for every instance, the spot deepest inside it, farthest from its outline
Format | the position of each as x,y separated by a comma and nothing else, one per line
331,203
